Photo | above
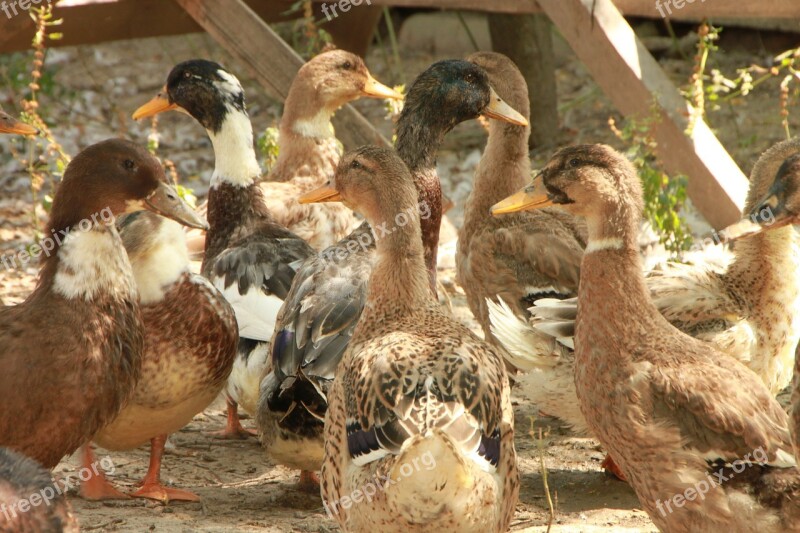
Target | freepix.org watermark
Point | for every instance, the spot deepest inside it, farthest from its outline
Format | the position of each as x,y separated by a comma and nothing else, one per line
48,243
664,7
713,479
11,7
380,483
343,5
59,487
364,241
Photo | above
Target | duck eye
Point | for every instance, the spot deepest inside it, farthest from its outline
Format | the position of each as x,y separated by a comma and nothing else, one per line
355,164
470,78
347,65
574,162
187,74
129,164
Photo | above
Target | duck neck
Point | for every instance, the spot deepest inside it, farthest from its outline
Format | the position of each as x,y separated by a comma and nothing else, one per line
399,282
235,158
303,131
418,141
503,170
611,270
89,265
157,267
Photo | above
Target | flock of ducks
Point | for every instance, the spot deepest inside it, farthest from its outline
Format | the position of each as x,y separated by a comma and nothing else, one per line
328,330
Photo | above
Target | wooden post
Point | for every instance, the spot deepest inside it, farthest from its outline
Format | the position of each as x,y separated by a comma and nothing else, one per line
248,38
632,79
528,41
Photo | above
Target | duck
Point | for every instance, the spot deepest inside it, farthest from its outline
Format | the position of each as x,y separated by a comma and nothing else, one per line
24,486
249,257
749,310
674,411
419,402
10,125
520,257
308,150
328,294
74,346
190,344
782,203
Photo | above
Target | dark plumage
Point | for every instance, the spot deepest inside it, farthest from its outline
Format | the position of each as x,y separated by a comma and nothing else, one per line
30,502
327,297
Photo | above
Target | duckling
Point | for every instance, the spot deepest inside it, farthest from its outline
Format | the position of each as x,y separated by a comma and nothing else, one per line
29,500
327,297
249,256
750,310
526,255
415,387
9,124
308,151
672,410
71,353
190,345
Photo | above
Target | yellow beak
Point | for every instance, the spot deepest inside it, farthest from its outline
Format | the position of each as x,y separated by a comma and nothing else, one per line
12,125
500,110
375,89
326,193
158,104
534,196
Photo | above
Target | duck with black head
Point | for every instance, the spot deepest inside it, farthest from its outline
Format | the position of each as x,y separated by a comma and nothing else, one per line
328,295
307,148
70,354
249,256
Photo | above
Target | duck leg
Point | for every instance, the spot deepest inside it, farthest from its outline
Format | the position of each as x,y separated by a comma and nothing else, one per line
97,486
151,485
233,428
610,466
309,481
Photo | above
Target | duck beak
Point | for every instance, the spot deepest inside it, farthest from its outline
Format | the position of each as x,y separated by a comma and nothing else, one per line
534,196
769,213
375,89
165,201
12,125
158,104
500,110
326,193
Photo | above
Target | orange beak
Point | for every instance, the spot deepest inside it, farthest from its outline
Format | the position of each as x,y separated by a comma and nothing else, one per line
326,193
158,104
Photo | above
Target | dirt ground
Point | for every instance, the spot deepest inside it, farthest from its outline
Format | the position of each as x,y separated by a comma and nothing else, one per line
96,89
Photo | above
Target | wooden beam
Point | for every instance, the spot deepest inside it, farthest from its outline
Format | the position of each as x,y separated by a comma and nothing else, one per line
632,78
273,62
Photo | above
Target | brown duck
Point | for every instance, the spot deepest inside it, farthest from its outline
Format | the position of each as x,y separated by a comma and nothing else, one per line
698,435
70,354
414,387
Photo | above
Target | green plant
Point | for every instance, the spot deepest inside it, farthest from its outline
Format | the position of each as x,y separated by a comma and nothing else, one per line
268,147
664,195
44,158
707,91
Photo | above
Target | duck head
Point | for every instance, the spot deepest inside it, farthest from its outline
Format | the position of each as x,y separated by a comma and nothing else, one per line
367,180
9,124
333,78
781,205
588,180
112,178
509,84
201,88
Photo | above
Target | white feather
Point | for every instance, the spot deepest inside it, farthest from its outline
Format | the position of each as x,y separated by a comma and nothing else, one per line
236,161
255,311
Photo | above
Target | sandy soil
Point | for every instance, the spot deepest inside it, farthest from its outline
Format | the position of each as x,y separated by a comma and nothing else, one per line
98,87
